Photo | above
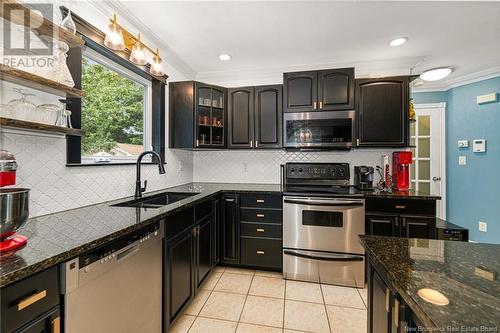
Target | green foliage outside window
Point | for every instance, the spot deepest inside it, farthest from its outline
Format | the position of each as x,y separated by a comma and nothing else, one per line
112,110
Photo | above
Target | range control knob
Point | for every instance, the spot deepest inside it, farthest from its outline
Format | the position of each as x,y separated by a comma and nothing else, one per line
300,170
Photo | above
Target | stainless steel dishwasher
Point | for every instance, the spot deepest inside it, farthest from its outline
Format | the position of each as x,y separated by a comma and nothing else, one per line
117,287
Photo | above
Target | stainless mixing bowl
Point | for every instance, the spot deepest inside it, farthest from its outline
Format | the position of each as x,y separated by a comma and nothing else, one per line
14,209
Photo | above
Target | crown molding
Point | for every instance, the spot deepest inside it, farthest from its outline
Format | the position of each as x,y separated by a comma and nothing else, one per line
113,6
270,75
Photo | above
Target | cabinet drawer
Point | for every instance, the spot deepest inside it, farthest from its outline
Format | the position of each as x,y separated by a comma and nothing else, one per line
261,200
261,215
401,206
260,230
261,252
29,298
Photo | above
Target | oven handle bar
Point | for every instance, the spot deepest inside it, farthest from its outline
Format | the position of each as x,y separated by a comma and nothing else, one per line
327,202
308,256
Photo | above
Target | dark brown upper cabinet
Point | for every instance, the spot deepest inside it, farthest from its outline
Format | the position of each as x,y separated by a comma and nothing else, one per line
240,117
255,117
325,90
197,113
268,116
300,91
382,106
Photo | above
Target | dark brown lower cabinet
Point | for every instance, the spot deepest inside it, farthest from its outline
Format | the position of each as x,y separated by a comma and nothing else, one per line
261,252
401,217
230,229
50,322
387,313
179,261
203,249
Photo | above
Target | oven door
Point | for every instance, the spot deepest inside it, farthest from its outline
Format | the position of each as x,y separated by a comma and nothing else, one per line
331,129
323,224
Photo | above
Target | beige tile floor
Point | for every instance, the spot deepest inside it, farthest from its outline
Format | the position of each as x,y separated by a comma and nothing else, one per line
246,301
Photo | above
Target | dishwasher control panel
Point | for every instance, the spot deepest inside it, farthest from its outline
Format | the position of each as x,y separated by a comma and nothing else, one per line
108,252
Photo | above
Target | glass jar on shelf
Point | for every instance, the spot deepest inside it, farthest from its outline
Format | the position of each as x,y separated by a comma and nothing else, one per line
48,113
64,116
22,108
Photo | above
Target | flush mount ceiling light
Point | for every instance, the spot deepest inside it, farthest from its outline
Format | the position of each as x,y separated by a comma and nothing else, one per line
398,41
224,57
436,74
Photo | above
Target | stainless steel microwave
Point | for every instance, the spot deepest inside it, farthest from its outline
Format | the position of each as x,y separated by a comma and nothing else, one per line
325,129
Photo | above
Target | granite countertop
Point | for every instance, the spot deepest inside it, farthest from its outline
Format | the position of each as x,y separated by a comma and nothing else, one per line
450,267
410,194
56,238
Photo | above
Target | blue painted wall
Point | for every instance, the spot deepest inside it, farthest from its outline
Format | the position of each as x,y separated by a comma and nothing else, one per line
473,190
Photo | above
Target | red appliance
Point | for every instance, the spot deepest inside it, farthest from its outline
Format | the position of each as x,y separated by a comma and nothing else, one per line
8,167
401,161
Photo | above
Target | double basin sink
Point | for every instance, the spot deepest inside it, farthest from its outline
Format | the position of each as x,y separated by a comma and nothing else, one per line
156,201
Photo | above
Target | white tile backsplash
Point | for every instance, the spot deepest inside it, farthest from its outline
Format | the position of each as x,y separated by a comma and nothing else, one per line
55,187
252,166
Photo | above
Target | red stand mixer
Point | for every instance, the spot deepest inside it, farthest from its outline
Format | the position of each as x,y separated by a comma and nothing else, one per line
14,203
401,161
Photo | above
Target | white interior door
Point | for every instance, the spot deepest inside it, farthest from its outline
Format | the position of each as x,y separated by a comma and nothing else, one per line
428,138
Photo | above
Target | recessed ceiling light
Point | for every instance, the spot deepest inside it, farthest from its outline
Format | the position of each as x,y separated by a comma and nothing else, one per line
398,41
436,74
224,57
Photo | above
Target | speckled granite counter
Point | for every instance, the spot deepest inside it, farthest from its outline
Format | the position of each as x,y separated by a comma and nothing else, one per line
401,195
55,238
408,265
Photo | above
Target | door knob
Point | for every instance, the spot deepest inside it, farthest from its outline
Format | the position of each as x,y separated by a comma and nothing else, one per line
436,179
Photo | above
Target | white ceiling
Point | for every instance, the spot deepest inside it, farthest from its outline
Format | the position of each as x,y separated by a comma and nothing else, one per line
267,38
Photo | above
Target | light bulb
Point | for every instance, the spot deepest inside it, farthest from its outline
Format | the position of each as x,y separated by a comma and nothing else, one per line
114,36
156,67
137,54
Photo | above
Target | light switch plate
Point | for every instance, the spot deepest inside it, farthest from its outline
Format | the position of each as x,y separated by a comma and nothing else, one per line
479,146
483,226
488,98
463,143
462,160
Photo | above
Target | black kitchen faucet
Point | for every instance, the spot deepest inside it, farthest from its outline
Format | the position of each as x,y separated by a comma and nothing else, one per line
138,183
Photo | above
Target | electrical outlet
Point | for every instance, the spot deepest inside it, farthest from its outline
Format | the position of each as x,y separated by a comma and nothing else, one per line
483,226
462,160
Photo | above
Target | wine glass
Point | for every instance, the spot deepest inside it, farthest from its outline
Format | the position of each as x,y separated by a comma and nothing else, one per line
68,23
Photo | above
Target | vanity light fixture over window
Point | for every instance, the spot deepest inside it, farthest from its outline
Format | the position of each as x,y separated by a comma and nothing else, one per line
116,41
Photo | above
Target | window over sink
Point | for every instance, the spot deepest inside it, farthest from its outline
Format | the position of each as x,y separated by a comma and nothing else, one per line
116,111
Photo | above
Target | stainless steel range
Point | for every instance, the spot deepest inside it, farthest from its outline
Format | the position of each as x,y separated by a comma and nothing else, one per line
322,218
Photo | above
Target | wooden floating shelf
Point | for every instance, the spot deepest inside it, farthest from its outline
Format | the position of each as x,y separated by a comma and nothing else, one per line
28,125
37,82
13,11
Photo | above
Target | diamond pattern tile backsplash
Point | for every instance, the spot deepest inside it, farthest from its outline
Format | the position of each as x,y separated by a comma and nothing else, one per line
238,166
54,187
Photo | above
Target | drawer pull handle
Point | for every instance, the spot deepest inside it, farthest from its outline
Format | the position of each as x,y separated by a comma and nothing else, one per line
260,200
387,298
396,312
260,252
260,230
260,215
56,325
31,300
400,206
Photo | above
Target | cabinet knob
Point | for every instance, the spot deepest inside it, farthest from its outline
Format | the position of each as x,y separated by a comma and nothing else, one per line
260,215
260,200
260,230
259,252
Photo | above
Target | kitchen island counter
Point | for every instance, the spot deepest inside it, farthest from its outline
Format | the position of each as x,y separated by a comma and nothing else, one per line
465,273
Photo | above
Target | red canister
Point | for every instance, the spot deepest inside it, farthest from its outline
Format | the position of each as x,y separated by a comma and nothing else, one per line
8,167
